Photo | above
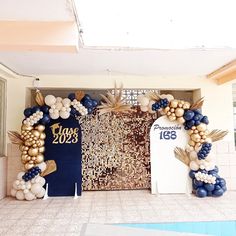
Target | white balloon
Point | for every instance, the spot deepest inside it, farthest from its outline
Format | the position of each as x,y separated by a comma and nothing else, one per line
41,193
53,106
58,99
54,116
64,114
26,191
13,192
15,185
42,166
66,101
193,165
36,188
29,196
58,105
144,109
50,100
40,180
139,98
20,174
144,101
193,155
63,109
20,195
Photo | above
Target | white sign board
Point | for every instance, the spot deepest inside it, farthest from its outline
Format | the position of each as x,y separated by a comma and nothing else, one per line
168,174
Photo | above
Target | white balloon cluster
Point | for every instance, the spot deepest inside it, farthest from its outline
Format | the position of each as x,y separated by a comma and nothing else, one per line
196,164
205,178
79,107
33,119
31,189
146,102
58,107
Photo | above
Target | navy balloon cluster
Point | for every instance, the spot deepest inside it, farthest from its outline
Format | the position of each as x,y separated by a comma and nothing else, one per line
162,103
204,151
32,110
86,101
207,189
30,174
194,118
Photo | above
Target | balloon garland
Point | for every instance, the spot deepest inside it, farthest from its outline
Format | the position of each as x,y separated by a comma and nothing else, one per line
29,183
203,171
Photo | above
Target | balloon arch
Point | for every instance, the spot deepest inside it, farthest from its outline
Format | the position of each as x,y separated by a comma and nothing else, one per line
29,183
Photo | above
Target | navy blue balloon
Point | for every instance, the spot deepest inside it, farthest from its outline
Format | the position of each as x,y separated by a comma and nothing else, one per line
45,120
190,123
95,102
192,174
218,192
88,103
90,110
217,186
201,192
209,194
197,117
222,182
194,186
209,187
28,112
73,111
45,109
204,171
71,96
188,115
197,122
224,188
205,120
35,109
86,97
198,183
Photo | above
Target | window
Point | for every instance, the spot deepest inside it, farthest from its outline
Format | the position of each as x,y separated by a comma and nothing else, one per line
2,116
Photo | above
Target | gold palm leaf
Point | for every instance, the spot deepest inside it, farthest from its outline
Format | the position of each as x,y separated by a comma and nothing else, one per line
217,134
153,96
113,102
198,104
15,137
39,98
51,167
182,155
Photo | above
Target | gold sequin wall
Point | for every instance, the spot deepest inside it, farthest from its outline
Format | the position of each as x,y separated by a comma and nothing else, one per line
115,150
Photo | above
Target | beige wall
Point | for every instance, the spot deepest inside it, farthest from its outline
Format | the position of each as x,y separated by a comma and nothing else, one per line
217,106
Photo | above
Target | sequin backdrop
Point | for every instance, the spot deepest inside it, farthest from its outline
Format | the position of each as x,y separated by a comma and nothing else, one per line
115,151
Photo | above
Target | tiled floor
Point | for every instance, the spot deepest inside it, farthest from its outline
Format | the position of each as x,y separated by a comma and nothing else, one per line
65,216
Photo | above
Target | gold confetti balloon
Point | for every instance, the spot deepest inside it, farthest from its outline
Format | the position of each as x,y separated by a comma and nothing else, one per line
33,151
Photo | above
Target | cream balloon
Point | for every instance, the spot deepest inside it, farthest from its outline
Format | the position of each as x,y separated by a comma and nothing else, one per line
144,109
20,195
54,115
29,196
193,165
64,114
41,193
42,166
139,98
13,192
20,174
144,101
36,188
66,101
50,100
58,99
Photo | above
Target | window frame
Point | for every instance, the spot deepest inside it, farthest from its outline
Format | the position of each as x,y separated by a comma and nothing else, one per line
3,107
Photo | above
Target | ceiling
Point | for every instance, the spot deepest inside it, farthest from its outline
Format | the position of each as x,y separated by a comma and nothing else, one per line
127,62
95,60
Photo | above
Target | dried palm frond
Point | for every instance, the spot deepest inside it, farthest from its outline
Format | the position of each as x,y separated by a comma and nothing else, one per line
15,137
51,167
198,104
113,102
39,98
79,95
182,155
217,134
153,96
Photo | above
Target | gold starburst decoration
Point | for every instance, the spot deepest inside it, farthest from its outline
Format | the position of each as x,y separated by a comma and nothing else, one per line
113,102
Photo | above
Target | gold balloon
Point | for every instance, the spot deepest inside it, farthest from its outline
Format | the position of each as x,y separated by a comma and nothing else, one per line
28,166
21,147
35,133
26,127
24,152
31,162
41,149
39,158
42,136
24,158
27,137
28,143
33,151
40,143
28,158
34,145
33,158
40,128
35,138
